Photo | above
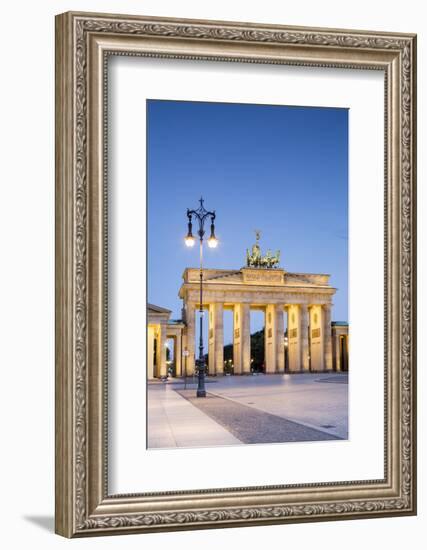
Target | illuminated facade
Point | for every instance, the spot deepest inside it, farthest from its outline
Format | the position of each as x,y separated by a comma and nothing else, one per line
313,343
161,330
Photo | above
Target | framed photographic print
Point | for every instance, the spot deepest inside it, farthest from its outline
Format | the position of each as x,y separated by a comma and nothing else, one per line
235,274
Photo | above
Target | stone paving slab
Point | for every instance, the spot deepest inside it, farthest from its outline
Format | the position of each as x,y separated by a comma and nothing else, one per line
174,422
250,425
334,380
191,381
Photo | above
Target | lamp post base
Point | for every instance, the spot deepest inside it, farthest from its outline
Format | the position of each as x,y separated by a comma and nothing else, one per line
201,389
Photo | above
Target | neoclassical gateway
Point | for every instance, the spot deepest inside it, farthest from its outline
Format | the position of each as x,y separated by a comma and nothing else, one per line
313,342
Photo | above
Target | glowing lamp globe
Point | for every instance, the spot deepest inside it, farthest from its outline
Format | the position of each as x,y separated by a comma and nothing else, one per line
190,240
212,242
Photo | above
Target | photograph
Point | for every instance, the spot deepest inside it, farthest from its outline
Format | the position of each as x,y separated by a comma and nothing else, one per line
248,332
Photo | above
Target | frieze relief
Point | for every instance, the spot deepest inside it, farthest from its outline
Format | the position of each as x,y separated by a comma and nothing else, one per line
307,278
263,276
248,275
260,297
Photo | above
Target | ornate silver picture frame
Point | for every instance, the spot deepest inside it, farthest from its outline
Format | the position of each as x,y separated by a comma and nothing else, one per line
84,42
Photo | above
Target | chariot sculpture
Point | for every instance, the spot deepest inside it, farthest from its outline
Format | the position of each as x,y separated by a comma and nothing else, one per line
256,259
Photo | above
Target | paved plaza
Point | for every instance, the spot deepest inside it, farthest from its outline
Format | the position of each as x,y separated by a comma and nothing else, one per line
248,409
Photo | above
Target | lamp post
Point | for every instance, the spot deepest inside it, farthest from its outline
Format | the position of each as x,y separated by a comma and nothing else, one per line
201,214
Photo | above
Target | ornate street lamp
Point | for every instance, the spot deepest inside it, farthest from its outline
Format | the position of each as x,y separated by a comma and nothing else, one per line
201,214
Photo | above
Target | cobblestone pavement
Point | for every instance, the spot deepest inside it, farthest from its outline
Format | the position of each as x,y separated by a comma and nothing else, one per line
304,398
298,408
250,425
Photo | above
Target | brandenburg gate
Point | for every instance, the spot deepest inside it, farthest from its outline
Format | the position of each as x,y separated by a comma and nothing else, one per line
305,298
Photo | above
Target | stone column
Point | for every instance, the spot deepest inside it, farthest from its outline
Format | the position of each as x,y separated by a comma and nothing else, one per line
327,336
216,339
246,338
317,331
150,353
161,351
336,351
304,337
280,339
219,339
270,339
211,339
237,348
178,355
294,338
241,338
190,336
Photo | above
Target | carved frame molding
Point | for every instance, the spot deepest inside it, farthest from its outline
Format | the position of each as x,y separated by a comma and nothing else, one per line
83,43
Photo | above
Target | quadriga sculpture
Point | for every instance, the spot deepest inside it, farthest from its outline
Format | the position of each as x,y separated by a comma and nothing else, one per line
255,259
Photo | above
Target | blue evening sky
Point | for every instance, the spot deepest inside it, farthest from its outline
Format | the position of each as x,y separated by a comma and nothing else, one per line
283,170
